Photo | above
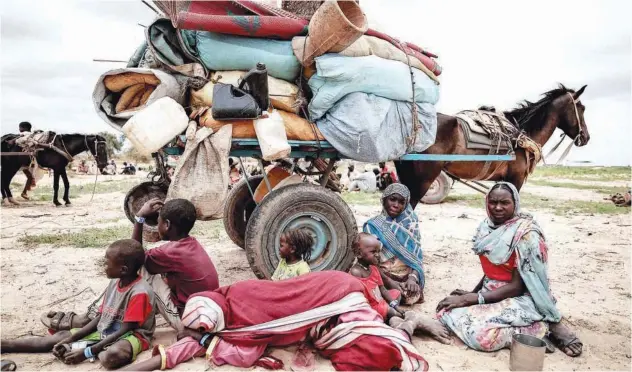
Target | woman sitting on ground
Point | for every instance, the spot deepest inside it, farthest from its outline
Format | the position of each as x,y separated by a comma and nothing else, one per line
514,295
397,227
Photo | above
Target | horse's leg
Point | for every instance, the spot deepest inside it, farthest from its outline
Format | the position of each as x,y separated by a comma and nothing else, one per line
418,176
64,177
7,177
56,187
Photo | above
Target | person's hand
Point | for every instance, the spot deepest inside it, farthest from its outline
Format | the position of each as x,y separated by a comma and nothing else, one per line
455,302
411,287
187,332
61,348
399,310
459,292
150,207
75,357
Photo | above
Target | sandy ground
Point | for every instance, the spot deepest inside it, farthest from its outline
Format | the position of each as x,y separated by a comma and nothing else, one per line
589,268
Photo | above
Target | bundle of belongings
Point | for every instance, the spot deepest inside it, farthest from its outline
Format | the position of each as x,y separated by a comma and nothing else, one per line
267,74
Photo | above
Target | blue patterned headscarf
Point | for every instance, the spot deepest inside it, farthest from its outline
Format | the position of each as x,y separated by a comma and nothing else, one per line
400,236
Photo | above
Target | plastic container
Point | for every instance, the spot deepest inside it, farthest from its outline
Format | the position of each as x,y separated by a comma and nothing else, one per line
272,137
156,125
527,353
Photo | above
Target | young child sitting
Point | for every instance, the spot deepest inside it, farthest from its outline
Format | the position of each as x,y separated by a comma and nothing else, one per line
295,251
183,262
123,326
366,248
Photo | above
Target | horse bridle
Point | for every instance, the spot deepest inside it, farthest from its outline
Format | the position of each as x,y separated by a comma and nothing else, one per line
96,147
563,136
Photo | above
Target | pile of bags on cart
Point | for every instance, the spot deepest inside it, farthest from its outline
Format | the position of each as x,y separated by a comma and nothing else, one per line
220,70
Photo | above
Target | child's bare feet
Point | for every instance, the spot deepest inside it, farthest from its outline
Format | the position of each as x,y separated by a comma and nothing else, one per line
430,326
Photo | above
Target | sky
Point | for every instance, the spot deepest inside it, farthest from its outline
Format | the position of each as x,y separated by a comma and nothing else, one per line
492,52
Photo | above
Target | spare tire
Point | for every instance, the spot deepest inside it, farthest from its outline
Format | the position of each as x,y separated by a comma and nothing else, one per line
322,212
439,189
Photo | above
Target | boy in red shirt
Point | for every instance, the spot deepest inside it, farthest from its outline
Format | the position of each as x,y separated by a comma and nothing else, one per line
182,262
124,323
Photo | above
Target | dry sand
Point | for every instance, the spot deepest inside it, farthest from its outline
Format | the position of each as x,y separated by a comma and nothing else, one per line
589,269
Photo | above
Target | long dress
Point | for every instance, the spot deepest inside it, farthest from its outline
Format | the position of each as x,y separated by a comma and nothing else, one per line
489,327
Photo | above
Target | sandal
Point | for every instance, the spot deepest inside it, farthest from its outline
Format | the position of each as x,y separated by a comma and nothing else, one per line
565,339
8,365
58,320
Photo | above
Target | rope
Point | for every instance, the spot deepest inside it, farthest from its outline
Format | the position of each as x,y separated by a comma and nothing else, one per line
410,141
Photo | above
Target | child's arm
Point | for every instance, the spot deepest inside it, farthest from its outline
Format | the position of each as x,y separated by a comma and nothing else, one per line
78,356
59,350
389,283
389,300
150,207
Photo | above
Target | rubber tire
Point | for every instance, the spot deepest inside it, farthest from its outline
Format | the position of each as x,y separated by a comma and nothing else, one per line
282,203
439,190
238,203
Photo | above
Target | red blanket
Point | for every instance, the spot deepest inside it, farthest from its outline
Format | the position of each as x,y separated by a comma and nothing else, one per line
242,302
239,19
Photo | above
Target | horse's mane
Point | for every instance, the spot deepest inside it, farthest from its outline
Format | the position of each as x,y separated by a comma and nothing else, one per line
530,116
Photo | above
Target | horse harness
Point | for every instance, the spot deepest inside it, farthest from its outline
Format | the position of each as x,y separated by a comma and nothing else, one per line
487,129
563,136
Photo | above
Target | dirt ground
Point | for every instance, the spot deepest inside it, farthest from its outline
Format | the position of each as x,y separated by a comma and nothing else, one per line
589,269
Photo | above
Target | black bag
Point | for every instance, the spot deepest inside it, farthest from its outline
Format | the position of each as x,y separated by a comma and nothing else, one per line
231,103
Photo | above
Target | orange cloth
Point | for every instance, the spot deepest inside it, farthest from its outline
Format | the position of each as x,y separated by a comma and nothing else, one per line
499,272
296,128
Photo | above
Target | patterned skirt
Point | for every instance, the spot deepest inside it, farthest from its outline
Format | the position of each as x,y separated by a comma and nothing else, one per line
490,327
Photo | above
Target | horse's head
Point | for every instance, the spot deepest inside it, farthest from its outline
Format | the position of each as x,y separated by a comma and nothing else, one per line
571,117
98,148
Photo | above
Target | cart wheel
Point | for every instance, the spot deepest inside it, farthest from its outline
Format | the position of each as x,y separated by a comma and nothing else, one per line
322,212
238,209
439,189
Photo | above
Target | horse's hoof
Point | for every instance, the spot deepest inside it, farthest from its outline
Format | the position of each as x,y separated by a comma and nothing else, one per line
68,204
57,204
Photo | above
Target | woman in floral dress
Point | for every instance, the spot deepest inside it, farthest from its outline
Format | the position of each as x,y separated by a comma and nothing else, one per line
514,294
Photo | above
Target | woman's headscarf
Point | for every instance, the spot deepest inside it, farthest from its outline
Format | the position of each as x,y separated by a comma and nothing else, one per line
499,242
400,235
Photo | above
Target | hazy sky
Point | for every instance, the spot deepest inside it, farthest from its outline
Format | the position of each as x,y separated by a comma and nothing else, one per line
492,52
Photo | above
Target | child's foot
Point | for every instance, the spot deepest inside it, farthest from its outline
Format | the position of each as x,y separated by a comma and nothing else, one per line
25,197
430,326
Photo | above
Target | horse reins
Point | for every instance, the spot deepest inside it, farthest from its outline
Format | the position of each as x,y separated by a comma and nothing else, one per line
563,136
96,160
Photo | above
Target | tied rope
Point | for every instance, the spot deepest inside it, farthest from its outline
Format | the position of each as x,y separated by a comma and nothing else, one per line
410,140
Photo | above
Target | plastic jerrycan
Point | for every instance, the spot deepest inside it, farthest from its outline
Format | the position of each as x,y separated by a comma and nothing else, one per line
255,82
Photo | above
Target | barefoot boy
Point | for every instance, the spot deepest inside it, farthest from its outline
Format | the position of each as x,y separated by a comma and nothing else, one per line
124,323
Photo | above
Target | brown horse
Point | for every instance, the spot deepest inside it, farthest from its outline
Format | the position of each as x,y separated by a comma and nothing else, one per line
559,108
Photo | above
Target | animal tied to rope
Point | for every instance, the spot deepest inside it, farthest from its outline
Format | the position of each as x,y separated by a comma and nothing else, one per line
53,153
534,122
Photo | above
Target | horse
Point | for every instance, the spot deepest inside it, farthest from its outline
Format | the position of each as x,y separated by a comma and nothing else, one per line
67,145
559,108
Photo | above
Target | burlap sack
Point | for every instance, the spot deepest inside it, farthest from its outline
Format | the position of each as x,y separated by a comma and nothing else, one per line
201,174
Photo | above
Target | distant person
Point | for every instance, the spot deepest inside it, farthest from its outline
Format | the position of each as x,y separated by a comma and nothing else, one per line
387,176
234,173
366,182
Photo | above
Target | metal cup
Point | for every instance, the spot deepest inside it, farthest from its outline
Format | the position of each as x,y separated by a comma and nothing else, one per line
527,353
